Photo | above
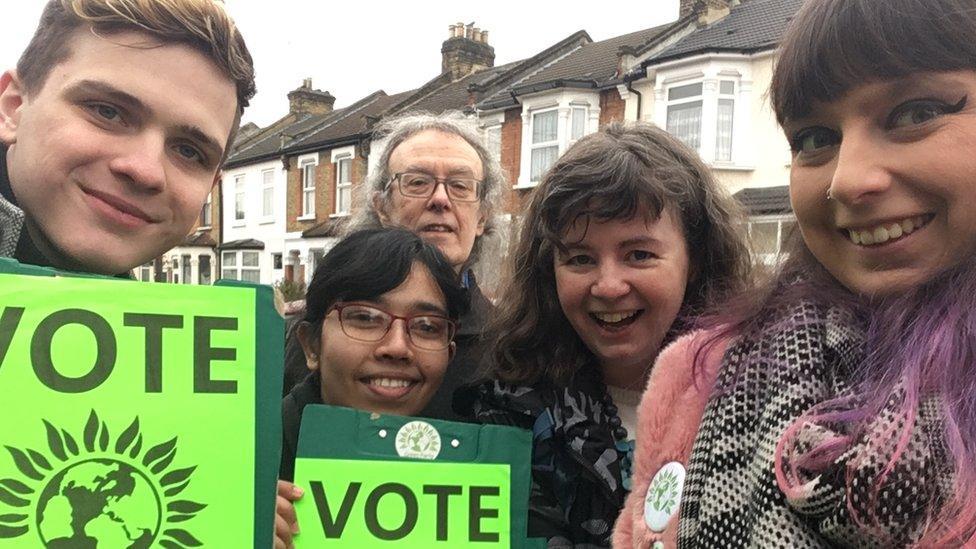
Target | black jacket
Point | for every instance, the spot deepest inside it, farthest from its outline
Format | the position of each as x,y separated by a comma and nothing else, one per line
305,393
577,484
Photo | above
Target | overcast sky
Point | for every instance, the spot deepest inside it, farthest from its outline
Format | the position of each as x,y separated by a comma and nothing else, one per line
354,48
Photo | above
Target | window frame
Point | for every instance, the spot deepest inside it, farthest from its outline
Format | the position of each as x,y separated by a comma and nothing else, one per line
240,199
234,270
536,146
267,192
308,168
779,255
341,207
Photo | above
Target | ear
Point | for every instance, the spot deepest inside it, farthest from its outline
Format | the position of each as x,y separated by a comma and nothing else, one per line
377,200
12,98
482,221
308,347
451,351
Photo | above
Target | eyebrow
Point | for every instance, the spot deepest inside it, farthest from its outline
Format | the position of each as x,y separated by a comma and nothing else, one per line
422,306
630,242
453,170
133,103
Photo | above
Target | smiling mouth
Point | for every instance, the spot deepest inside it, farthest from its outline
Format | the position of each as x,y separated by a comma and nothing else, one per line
616,320
436,228
885,233
389,387
126,212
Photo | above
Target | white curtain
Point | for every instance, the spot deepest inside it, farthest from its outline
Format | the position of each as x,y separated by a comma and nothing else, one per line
723,139
544,127
684,122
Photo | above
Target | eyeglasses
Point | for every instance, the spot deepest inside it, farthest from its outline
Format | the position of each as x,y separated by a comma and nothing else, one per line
422,185
370,324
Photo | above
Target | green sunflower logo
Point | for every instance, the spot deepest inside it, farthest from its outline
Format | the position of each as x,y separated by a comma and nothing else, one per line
102,493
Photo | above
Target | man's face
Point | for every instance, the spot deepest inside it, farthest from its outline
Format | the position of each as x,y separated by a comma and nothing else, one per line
451,226
113,157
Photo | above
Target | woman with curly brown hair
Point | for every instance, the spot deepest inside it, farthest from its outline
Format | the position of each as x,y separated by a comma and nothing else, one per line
626,238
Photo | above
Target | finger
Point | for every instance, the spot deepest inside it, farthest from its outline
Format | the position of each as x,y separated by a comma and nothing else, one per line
282,532
286,510
289,491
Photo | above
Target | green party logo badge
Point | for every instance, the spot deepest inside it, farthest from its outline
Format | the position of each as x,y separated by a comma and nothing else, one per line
136,414
418,439
663,496
102,492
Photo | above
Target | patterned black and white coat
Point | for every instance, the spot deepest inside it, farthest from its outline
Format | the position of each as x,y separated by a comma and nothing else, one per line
731,497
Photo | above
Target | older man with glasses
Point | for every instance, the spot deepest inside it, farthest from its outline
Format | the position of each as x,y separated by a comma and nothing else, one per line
436,178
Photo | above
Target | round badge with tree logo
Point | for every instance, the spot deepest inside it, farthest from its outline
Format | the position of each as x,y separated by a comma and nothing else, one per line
664,496
418,439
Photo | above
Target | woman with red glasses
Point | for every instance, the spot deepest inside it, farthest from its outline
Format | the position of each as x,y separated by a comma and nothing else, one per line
381,313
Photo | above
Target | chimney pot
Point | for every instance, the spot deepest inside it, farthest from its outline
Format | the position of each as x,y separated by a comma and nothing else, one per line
466,52
451,32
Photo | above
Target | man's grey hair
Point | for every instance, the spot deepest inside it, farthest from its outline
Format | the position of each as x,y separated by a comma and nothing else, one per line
394,131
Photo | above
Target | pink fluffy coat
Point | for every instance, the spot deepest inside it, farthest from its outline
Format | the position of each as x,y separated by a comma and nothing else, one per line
668,417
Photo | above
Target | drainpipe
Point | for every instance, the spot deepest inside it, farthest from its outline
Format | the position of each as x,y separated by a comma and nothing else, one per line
629,81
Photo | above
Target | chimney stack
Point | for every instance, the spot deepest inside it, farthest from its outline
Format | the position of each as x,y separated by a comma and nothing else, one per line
306,100
466,51
708,11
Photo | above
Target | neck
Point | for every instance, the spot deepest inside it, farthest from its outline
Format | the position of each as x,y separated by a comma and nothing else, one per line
631,376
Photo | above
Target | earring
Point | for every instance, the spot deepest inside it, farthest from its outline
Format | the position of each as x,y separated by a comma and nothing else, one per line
829,197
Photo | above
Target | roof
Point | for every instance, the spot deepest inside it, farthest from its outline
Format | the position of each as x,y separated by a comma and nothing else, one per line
349,124
596,62
588,65
305,132
451,95
243,244
765,200
199,238
329,227
754,25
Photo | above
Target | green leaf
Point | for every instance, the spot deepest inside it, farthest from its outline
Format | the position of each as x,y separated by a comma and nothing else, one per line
16,486
136,448
185,506
177,476
103,438
183,537
12,531
39,459
127,436
69,442
24,464
159,451
8,497
91,430
54,441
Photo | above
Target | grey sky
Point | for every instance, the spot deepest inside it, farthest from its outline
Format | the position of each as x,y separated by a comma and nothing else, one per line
354,48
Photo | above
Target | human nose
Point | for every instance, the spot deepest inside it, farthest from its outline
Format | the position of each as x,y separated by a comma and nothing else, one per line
141,162
439,198
395,345
610,283
861,170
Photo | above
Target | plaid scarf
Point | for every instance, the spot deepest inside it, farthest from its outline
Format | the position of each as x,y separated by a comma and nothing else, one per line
731,494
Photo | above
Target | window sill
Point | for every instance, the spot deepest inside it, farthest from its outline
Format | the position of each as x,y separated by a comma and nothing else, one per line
731,167
339,215
266,220
204,228
239,224
529,185
310,217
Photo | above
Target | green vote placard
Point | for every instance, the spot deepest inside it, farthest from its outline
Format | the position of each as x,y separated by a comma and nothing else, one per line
136,414
357,503
374,480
